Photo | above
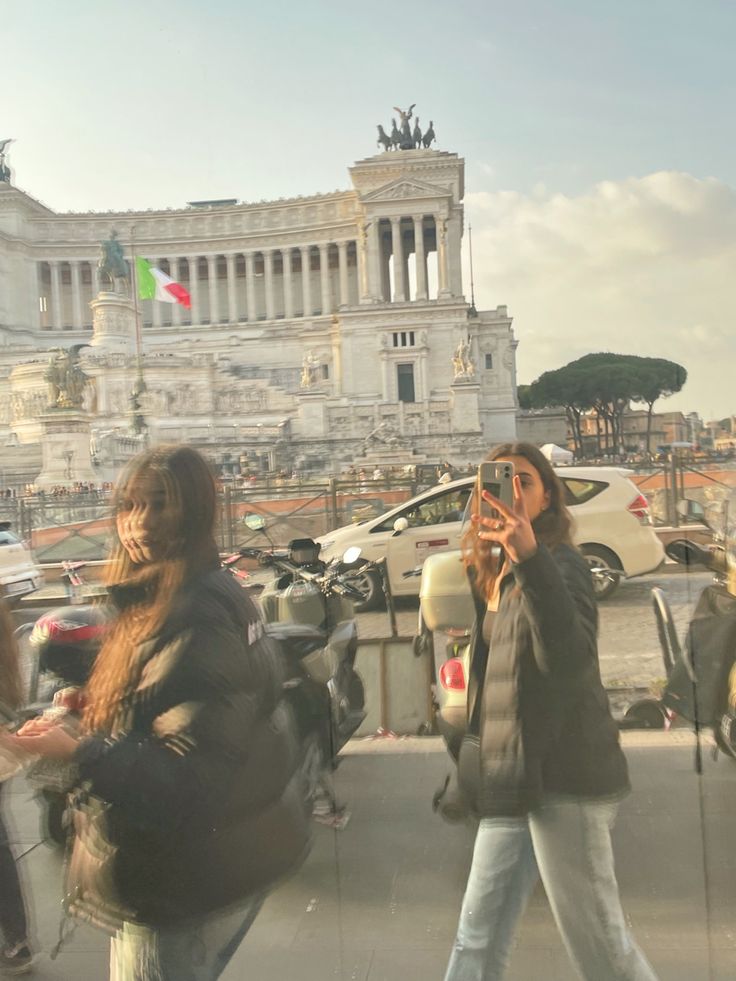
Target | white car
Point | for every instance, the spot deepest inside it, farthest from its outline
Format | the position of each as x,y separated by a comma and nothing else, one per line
19,574
613,529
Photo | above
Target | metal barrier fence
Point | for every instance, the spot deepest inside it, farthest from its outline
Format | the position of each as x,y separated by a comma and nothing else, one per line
78,526
305,510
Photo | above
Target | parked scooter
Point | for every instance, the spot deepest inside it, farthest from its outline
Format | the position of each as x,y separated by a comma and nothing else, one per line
701,671
308,611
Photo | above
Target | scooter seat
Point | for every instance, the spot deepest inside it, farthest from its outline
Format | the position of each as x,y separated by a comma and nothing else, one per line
298,639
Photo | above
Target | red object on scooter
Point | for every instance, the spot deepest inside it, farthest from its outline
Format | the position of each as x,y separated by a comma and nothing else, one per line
452,675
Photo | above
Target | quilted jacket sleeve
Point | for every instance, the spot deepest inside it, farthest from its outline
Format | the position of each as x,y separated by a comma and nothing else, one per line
561,608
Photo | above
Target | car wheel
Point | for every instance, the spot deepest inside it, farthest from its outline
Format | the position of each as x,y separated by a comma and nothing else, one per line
368,582
603,565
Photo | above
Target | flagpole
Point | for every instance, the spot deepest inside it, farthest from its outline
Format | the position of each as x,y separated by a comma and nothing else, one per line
473,311
134,283
139,423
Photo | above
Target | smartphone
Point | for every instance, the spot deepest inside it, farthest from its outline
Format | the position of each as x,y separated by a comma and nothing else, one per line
497,478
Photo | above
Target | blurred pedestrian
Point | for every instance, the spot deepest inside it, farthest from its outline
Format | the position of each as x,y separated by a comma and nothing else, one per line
545,772
191,802
15,953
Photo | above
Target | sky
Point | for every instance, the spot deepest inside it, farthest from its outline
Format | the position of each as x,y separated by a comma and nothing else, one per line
598,140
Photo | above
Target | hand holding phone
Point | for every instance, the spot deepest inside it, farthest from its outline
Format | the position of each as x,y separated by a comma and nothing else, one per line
497,478
504,520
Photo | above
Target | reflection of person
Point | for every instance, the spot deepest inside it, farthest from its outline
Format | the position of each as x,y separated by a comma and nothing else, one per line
195,804
549,771
15,954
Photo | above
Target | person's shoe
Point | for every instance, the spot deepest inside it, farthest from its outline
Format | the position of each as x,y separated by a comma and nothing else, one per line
16,960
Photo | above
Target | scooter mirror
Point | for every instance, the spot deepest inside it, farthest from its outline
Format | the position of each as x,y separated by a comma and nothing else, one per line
687,553
351,554
401,524
254,522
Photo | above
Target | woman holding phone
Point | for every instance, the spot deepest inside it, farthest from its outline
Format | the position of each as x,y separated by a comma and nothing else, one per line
15,953
547,772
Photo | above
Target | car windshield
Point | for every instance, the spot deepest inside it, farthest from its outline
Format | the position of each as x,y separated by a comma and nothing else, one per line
440,509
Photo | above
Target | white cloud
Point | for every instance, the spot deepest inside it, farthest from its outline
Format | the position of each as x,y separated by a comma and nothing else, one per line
642,265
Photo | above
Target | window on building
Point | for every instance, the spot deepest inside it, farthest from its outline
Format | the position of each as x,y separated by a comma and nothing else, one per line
489,362
405,377
403,338
325,370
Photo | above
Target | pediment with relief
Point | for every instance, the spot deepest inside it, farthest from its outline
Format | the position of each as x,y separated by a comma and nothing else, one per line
406,189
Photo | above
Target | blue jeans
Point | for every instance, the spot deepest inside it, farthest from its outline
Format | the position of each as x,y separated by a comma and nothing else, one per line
195,952
568,842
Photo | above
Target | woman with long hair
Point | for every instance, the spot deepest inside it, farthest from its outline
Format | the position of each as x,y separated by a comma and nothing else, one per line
15,954
191,802
546,772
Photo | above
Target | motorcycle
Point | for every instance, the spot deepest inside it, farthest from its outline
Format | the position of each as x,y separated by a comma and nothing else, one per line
700,673
308,612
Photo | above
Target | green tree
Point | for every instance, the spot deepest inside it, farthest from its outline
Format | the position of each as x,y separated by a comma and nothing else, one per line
607,383
657,378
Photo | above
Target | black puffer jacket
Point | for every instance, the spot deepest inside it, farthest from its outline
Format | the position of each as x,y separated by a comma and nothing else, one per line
198,800
545,725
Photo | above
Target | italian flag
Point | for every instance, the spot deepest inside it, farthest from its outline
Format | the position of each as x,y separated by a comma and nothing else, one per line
154,284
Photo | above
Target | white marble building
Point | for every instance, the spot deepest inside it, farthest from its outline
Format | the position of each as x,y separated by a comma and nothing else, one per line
315,321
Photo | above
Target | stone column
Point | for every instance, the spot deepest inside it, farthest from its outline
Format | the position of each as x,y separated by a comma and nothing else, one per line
42,317
342,251
454,255
76,295
155,304
443,277
94,283
384,259
288,283
268,284
324,275
375,270
250,285
176,315
232,298
306,281
193,263
361,256
56,318
420,257
398,250
212,283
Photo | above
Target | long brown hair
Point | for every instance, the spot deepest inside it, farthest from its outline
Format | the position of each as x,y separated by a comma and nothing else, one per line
11,686
552,527
190,504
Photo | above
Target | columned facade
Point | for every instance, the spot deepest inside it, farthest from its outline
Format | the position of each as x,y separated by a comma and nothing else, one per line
363,286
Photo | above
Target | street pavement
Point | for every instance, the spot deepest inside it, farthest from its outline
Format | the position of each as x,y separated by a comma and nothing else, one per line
629,650
378,901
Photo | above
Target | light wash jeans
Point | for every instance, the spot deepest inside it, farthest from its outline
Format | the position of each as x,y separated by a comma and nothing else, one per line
195,952
568,842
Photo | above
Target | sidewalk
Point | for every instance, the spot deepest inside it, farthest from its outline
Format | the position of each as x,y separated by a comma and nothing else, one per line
379,900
